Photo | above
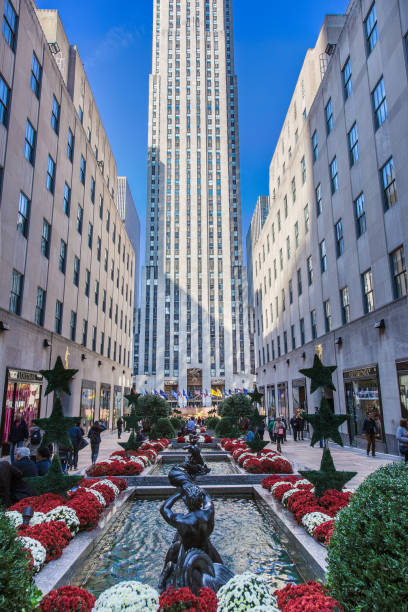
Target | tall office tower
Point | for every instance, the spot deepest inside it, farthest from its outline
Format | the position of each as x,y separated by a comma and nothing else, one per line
194,323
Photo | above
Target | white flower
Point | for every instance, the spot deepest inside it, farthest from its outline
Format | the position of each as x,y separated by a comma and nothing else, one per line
286,496
65,514
108,483
37,518
313,519
98,496
302,481
279,483
141,460
129,595
36,549
246,592
14,517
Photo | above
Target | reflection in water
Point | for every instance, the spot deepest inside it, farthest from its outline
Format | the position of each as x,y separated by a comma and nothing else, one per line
135,546
217,467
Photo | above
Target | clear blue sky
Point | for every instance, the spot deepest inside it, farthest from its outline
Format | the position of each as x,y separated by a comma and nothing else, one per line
271,39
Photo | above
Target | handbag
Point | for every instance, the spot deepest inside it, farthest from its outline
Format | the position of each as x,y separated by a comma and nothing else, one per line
82,444
281,431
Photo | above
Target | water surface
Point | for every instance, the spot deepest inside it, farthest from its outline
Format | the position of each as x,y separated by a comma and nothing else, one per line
217,467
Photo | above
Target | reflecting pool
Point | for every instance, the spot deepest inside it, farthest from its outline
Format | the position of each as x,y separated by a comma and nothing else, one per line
217,467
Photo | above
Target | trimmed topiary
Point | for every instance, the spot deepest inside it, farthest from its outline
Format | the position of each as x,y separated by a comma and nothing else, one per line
367,554
212,422
162,429
177,422
227,428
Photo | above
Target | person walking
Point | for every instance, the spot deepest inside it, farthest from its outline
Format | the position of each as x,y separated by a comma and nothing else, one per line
43,460
370,430
191,425
249,436
285,426
119,424
18,434
270,429
294,425
261,430
301,426
76,434
321,441
94,436
279,432
402,438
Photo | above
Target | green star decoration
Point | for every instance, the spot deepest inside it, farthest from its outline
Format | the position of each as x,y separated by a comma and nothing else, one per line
325,424
256,397
58,378
53,482
132,420
327,477
132,398
257,444
56,426
131,444
320,375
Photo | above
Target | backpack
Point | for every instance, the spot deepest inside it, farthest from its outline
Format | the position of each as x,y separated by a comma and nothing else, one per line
35,437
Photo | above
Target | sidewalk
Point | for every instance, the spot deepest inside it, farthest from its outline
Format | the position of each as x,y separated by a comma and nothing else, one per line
109,444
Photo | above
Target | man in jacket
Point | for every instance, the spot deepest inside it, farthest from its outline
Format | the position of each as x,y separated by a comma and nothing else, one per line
94,436
24,463
75,433
18,434
294,425
270,429
12,486
119,424
370,430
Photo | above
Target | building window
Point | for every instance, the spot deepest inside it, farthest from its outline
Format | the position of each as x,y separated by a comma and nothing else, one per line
50,179
347,80
55,114
23,215
307,218
296,234
82,170
98,249
58,317
389,185
90,235
40,307
319,205
334,178
313,323
315,146
327,316
107,221
45,238
102,343
353,145
299,281
35,79
81,114
92,190
94,334
309,270
359,208
72,326
285,342
293,337
345,305
84,332
288,247
10,24
379,104
16,294
329,117
323,256
67,200
4,101
293,193
399,272
70,146
100,207
62,257
97,293
303,167
368,292
338,234
29,143
371,29
302,331
290,292
80,217
87,282
76,271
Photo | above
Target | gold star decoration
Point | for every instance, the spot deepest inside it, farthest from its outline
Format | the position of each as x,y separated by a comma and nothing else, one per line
320,375
58,378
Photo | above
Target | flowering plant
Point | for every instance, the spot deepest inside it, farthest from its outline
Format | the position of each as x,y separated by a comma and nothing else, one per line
67,598
132,596
183,600
269,481
279,489
243,592
87,508
312,520
208,439
294,591
253,465
67,515
323,532
37,551
311,603
53,535
14,517
40,503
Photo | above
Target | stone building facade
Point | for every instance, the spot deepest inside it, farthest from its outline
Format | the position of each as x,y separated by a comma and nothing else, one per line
329,265
66,263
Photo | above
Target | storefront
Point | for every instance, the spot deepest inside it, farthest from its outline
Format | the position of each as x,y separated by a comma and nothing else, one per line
23,395
402,373
88,398
262,404
126,407
299,398
283,401
117,405
104,404
363,395
271,401
171,388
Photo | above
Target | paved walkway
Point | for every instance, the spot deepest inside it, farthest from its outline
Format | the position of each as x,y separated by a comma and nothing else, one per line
109,444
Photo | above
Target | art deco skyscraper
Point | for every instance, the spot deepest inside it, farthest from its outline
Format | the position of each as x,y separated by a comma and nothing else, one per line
193,332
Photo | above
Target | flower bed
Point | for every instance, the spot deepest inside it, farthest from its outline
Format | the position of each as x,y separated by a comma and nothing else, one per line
201,439
129,463
56,520
307,597
265,462
316,515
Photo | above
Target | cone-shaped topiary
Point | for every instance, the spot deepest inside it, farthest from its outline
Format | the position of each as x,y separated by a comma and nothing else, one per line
162,429
256,445
327,477
53,482
367,554
227,428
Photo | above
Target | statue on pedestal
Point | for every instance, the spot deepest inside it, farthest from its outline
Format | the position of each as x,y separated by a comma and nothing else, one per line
194,464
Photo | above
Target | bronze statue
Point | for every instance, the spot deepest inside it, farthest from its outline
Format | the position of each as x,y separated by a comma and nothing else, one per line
194,464
192,560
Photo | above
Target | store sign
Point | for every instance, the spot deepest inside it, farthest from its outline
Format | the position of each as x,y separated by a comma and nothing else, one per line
368,372
24,376
171,382
217,381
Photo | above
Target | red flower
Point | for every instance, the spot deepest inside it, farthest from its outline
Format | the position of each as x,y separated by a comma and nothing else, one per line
180,439
183,600
295,591
271,480
281,489
106,491
312,603
40,503
208,439
324,532
54,536
68,598
87,507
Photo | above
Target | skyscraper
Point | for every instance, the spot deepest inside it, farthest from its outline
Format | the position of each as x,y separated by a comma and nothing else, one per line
193,325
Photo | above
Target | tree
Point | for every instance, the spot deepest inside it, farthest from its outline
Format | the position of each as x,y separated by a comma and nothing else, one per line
236,406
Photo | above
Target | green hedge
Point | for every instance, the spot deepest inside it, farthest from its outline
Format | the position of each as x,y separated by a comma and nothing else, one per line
177,422
368,552
212,422
162,429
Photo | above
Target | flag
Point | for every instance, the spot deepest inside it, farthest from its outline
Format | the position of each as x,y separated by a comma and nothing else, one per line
155,392
213,393
184,393
246,391
174,394
190,395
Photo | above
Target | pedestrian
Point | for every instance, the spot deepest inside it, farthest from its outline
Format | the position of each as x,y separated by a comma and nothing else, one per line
119,424
139,436
36,436
301,426
270,429
24,463
12,486
94,436
279,431
294,425
191,426
250,435
261,430
321,441
285,426
43,460
76,433
18,434
370,430
402,438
